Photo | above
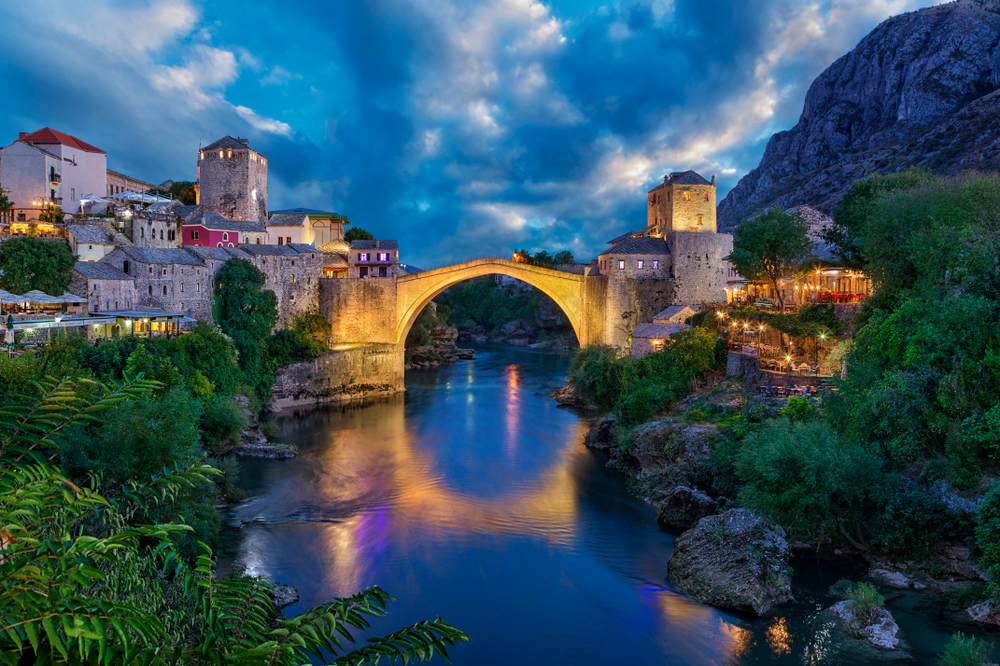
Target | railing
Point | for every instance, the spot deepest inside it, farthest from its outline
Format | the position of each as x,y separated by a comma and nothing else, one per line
55,177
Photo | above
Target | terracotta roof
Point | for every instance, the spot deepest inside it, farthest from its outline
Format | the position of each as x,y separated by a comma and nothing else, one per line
227,142
658,330
47,135
374,245
95,270
639,246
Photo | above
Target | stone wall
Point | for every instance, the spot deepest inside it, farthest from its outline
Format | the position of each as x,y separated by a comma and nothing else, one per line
645,298
668,210
631,267
104,295
119,182
340,375
174,287
698,266
360,309
295,280
234,186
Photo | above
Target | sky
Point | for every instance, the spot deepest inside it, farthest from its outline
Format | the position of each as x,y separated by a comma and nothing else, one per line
460,128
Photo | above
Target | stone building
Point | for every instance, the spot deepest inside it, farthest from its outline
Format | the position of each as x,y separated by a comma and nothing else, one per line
207,229
172,279
316,228
642,257
683,202
119,182
106,288
675,314
335,258
293,273
373,258
90,242
232,180
652,337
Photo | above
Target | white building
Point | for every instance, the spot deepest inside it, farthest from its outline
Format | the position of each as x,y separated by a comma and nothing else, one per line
90,242
68,170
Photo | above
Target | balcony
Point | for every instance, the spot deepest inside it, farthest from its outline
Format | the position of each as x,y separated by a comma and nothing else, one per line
55,177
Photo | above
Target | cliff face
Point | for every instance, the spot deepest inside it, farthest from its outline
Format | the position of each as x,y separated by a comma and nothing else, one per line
918,90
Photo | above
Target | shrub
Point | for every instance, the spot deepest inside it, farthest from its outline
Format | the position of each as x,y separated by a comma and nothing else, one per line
913,519
222,420
639,405
599,376
800,476
227,484
988,536
965,650
799,409
864,601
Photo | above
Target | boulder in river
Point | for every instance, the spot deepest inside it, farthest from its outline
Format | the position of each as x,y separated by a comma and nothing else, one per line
601,434
736,560
685,506
985,613
284,595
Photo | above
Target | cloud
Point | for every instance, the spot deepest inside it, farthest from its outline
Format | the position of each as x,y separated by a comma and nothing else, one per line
458,127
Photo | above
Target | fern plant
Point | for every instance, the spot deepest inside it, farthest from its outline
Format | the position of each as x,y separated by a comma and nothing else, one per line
81,584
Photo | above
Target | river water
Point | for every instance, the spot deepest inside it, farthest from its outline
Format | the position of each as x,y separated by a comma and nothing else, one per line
472,497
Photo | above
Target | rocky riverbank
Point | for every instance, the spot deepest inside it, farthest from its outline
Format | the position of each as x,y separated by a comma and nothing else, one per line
440,349
253,443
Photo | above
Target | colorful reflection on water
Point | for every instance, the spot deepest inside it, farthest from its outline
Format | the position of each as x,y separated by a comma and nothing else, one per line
472,497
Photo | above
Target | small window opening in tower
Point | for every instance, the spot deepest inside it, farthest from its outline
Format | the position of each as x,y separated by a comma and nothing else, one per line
701,220
706,196
220,154
687,196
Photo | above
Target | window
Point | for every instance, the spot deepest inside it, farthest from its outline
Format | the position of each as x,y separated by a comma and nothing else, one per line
126,268
701,220
281,241
239,155
182,305
220,154
363,271
150,269
258,240
195,235
383,271
164,271
220,244
142,232
383,256
362,256
656,264
182,287
72,194
90,247
225,236
20,217
293,262
161,234
230,245
621,264
288,240
197,287
150,290
164,290
668,196
706,196
687,196
197,306
308,280
293,277
638,264
246,240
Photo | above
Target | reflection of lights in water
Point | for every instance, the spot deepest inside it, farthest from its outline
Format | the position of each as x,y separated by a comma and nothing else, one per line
818,649
738,640
513,418
696,628
778,638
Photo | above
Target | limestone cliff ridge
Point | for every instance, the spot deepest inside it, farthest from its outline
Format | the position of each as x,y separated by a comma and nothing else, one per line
920,89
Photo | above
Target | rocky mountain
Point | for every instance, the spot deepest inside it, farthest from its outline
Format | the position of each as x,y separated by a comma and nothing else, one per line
921,89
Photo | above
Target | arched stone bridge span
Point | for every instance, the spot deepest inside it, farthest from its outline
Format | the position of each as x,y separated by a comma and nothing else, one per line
568,290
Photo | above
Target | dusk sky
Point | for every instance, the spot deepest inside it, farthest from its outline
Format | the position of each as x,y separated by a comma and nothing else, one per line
457,127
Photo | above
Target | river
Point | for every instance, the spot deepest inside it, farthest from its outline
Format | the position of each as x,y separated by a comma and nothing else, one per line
473,498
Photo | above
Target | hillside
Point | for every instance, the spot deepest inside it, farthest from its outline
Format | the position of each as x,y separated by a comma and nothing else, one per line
920,89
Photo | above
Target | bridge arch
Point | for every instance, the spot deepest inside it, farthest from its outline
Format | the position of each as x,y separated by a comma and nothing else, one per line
414,292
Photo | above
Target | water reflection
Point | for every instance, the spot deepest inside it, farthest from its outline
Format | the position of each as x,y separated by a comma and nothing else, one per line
473,498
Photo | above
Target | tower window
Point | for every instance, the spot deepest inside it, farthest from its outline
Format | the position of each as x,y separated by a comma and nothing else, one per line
706,196
195,235
639,264
225,236
621,264
701,219
656,264
220,154
687,196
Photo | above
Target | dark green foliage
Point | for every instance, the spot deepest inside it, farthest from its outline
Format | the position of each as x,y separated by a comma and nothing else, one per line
770,247
799,409
859,205
965,650
357,233
638,405
32,263
913,519
988,537
864,601
222,421
227,485
85,582
182,190
800,476
247,313
481,301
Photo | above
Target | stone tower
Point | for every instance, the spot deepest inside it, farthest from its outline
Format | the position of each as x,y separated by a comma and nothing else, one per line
232,180
683,202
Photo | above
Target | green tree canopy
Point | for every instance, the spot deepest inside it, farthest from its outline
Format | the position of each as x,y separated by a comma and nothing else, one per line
5,204
32,263
858,206
564,257
183,190
247,313
357,233
770,247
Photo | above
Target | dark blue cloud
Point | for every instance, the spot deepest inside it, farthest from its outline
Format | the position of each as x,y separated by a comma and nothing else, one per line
457,127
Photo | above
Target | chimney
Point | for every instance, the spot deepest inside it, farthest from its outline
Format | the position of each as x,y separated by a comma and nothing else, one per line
245,142
665,179
21,135
713,179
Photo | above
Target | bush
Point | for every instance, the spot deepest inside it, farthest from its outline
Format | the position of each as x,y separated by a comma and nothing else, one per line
913,519
864,601
965,650
227,485
639,405
799,409
798,475
222,421
988,537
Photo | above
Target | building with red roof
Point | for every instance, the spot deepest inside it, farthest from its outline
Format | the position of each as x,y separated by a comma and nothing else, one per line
49,167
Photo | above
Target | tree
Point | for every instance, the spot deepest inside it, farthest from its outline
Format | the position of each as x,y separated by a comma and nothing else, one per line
51,214
182,190
247,313
32,263
564,257
5,206
859,204
84,583
770,246
357,233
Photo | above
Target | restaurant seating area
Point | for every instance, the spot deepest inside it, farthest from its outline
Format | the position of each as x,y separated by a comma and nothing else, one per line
787,391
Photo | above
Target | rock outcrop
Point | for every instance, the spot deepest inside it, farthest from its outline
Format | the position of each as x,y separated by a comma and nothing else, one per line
684,507
736,560
918,90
